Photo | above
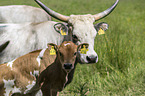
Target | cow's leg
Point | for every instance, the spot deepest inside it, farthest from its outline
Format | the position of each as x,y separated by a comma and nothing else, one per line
2,89
54,93
46,91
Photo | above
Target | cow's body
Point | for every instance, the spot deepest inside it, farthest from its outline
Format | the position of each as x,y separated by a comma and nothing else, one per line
27,37
22,14
19,75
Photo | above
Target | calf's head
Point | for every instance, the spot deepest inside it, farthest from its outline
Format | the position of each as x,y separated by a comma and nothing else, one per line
66,53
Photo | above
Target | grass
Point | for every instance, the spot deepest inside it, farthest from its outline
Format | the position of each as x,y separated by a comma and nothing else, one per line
121,67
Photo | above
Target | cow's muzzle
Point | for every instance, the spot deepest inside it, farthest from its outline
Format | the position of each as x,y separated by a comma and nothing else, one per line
92,59
68,66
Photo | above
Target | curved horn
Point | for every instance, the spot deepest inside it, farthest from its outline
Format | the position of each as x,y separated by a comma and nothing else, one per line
52,13
106,12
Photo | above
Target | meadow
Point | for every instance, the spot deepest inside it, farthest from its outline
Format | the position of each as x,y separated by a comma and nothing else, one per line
120,70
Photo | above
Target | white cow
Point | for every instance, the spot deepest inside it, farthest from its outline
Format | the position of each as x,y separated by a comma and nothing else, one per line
22,13
32,36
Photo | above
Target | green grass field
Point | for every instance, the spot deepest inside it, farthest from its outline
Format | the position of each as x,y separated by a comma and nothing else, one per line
121,67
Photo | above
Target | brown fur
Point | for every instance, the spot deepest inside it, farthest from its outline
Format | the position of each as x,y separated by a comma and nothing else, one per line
21,69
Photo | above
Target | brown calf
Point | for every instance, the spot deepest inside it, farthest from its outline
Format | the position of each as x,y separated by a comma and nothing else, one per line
20,75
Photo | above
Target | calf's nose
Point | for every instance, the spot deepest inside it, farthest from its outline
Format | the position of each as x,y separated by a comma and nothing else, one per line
67,65
91,59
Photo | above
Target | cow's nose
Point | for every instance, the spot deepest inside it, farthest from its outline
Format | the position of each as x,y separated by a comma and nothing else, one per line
68,66
92,59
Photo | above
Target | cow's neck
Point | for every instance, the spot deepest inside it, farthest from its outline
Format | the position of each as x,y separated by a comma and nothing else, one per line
58,65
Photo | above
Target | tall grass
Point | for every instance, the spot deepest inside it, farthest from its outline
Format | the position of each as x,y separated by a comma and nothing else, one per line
121,67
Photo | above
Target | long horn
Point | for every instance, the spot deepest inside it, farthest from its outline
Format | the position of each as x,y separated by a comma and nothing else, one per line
106,12
52,13
3,46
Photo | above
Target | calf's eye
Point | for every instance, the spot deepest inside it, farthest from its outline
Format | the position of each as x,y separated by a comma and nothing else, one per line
75,53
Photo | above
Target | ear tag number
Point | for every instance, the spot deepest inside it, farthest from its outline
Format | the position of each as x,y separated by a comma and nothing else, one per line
62,32
84,50
100,32
52,51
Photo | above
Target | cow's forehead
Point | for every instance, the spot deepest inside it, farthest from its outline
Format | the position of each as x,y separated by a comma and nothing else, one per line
81,18
83,27
67,45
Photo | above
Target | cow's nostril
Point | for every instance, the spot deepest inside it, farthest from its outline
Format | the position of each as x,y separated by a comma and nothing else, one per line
68,66
91,59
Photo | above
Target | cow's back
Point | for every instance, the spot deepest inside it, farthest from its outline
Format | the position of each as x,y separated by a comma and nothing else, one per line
22,14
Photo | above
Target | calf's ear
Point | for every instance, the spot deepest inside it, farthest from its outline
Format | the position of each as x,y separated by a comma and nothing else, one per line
86,45
104,26
52,44
61,28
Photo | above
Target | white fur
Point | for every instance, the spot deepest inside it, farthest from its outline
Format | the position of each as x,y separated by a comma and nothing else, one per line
10,64
29,86
39,56
22,13
39,93
27,37
35,73
66,78
66,44
9,87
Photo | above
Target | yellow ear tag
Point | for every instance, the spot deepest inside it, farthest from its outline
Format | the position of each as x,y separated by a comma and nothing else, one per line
100,32
62,32
84,50
52,51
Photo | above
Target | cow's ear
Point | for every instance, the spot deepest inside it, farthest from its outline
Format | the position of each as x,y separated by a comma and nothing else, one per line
53,45
83,45
104,26
61,28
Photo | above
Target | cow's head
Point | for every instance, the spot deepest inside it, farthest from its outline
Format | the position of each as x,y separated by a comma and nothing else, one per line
66,53
83,29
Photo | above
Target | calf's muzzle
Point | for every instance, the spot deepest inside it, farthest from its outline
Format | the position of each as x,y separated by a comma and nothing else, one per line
68,66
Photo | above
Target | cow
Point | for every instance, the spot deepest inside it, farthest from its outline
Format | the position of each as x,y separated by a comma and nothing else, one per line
22,14
32,36
36,70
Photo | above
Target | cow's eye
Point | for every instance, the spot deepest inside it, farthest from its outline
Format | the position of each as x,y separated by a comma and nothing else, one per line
75,38
75,53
